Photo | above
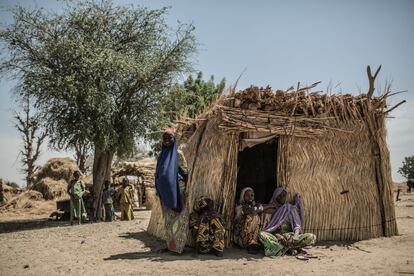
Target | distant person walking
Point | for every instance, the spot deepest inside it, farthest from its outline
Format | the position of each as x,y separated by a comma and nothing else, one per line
76,190
125,197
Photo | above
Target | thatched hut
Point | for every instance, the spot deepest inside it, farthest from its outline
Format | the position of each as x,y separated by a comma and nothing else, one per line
329,148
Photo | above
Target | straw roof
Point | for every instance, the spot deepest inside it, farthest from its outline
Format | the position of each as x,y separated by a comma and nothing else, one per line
297,112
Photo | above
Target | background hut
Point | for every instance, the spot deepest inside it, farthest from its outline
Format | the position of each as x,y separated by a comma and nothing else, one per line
144,172
329,148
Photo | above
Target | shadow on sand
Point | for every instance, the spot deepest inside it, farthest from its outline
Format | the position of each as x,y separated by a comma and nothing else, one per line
30,224
155,245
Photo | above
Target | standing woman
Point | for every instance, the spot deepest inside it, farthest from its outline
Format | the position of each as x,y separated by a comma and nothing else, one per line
76,189
170,183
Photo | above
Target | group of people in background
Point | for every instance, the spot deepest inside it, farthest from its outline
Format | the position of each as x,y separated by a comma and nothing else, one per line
275,228
81,200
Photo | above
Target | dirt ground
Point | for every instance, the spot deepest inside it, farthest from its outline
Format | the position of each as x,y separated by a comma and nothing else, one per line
32,245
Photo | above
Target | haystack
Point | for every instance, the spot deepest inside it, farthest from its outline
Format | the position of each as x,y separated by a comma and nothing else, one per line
51,188
58,168
9,190
331,149
25,200
52,179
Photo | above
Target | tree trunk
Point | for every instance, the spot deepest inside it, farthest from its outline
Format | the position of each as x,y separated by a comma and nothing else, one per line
101,172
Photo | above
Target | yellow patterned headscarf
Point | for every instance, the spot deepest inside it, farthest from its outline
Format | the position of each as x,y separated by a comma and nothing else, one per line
203,203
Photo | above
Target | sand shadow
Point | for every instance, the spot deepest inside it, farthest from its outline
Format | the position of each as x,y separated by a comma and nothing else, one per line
29,224
155,245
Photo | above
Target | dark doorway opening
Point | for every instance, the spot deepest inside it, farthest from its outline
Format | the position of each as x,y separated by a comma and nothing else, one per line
257,168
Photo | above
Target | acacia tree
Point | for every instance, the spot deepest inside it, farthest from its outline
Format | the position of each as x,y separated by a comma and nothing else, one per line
99,72
33,137
407,168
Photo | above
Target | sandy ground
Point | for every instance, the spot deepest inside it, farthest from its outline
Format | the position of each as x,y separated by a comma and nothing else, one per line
34,246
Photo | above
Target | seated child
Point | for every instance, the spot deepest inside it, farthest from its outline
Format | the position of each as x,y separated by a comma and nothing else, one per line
207,227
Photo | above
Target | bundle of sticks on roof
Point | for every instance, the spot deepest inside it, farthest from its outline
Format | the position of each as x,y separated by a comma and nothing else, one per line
299,112
302,102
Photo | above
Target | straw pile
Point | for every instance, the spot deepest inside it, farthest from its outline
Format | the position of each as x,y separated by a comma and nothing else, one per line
25,200
50,188
58,168
52,179
9,191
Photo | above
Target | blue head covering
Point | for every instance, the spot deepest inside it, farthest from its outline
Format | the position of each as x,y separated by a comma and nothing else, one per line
167,176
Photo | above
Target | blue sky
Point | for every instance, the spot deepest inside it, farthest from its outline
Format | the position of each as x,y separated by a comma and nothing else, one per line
279,43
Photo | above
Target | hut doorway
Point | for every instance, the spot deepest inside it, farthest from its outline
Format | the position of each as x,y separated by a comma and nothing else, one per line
257,168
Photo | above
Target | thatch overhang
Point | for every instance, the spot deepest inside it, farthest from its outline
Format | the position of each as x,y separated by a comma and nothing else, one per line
300,112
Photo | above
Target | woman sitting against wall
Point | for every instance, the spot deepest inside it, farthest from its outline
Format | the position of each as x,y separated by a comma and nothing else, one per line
282,230
247,222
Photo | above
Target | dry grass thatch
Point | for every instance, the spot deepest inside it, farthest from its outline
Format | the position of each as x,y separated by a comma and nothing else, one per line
331,149
50,188
52,179
9,191
57,169
25,200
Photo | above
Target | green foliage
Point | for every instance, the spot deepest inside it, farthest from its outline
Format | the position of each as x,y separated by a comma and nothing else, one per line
97,71
192,97
407,169
186,100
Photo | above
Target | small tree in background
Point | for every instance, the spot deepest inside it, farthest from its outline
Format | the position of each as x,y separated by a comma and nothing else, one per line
33,137
189,100
407,169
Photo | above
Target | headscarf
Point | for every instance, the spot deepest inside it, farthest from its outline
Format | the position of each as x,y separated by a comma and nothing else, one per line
166,176
169,131
293,212
241,199
203,204
276,193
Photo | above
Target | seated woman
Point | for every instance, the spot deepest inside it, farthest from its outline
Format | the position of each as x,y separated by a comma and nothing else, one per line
247,222
286,225
207,227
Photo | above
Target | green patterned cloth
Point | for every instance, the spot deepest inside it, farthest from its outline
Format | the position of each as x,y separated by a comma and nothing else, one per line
76,189
278,244
176,225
